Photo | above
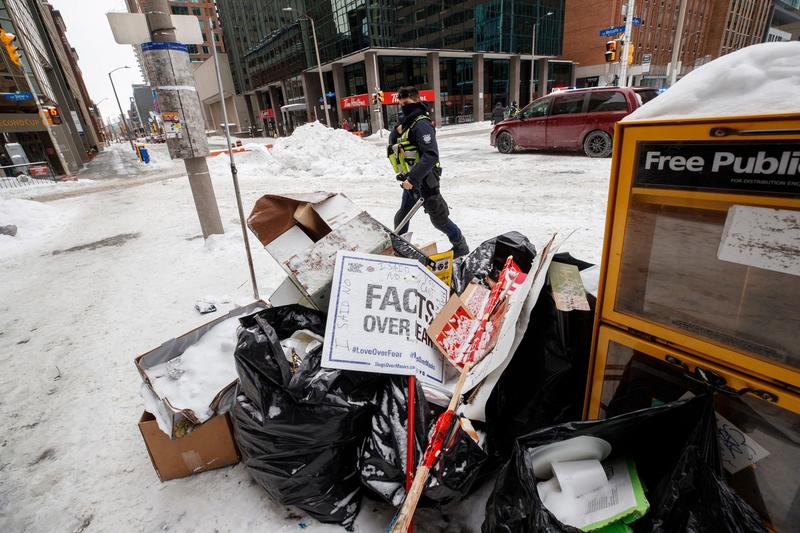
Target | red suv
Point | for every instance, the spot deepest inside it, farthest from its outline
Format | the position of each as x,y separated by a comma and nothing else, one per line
571,120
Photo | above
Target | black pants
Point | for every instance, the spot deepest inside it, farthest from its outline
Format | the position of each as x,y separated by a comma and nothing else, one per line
437,210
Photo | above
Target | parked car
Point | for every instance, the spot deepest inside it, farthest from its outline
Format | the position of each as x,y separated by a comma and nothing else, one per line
571,120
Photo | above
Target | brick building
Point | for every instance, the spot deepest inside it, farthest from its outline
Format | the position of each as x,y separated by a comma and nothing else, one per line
711,28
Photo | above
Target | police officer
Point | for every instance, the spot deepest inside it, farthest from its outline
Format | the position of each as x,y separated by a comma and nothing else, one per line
415,155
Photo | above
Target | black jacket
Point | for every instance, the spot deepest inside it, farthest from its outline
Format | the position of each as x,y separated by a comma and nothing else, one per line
498,114
423,175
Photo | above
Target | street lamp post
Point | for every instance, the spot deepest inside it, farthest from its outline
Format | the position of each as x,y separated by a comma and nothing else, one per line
533,51
121,114
319,65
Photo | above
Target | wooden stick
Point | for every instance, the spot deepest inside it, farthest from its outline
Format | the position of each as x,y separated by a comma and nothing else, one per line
406,515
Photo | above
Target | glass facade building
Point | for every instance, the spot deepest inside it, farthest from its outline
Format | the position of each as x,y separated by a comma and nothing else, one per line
470,54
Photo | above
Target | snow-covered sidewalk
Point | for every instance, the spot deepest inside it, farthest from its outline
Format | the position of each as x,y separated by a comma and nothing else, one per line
91,281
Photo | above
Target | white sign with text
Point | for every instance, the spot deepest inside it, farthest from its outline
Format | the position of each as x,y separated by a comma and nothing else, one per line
380,309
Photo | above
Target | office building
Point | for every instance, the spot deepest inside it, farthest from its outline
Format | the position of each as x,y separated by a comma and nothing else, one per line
465,56
48,73
711,28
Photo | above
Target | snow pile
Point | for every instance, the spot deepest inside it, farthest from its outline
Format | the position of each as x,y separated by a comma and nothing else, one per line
257,157
323,151
379,136
759,79
194,378
34,220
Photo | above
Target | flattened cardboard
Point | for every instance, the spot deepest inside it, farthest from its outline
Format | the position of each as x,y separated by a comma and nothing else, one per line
313,269
209,446
184,421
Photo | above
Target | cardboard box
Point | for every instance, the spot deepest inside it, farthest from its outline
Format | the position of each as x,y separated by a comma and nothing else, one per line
183,421
317,214
209,446
312,269
303,232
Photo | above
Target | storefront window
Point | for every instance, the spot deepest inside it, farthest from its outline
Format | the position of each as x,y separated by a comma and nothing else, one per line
355,79
495,84
456,89
397,72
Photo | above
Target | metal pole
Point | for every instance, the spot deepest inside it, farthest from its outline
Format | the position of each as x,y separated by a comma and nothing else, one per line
533,59
234,171
623,71
121,114
159,21
319,68
676,44
47,127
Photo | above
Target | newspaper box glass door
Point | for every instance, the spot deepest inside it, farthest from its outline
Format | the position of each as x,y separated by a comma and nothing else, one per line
705,241
759,429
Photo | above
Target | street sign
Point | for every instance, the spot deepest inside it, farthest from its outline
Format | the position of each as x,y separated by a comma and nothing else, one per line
612,31
17,97
131,28
637,21
646,59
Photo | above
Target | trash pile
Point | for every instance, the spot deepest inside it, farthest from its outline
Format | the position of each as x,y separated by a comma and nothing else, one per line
384,369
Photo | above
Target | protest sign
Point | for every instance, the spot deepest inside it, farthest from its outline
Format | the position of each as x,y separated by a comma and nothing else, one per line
379,312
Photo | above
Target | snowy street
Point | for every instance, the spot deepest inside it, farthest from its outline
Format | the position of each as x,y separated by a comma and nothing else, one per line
104,270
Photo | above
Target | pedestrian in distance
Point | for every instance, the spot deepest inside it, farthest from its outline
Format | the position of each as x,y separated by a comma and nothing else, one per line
498,113
346,125
414,154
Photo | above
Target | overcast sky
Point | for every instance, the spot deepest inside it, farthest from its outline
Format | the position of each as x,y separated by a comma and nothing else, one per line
89,33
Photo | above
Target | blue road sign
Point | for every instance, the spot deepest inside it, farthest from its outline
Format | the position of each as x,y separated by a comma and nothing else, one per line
17,97
612,31
637,21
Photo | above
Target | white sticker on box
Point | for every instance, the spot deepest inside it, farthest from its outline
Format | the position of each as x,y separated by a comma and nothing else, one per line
763,238
737,449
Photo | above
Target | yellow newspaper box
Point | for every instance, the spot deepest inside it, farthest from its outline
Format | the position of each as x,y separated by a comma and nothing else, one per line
700,285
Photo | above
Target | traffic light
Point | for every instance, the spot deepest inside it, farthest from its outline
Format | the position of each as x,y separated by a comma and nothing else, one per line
8,40
631,48
612,48
53,115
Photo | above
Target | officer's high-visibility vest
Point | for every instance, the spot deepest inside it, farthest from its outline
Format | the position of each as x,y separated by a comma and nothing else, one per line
404,155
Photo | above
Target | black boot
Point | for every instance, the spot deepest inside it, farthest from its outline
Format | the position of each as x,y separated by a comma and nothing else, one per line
460,248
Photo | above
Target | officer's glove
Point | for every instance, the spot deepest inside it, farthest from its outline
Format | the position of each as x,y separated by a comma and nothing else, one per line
401,177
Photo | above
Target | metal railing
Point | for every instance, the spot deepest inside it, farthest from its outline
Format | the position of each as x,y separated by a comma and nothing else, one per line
26,175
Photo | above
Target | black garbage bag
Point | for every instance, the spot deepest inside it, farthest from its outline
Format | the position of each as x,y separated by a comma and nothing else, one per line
545,382
488,258
384,454
382,463
674,447
299,429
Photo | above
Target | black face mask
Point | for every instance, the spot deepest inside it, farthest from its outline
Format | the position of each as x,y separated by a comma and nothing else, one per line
409,108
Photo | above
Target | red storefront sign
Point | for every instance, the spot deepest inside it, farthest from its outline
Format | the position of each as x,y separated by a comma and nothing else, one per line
389,98
352,102
39,170
267,113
